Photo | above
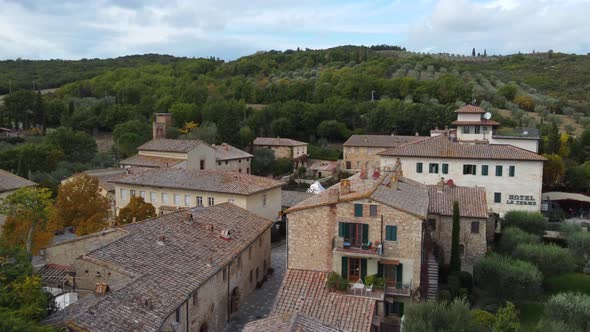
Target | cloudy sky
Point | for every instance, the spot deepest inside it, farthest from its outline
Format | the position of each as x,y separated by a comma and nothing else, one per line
72,29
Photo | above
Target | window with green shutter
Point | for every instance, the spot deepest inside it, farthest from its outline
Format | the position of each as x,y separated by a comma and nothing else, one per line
379,270
391,233
343,229
418,167
358,210
363,268
497,197
511,170
499,170
433,168
399,276
365,234
484,170
445,168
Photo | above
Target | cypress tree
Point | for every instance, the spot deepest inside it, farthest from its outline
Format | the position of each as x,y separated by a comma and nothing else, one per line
455,255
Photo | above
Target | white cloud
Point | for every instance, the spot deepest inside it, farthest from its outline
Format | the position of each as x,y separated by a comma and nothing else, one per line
504,26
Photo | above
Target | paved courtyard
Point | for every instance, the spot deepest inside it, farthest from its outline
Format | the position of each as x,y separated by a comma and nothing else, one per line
259,303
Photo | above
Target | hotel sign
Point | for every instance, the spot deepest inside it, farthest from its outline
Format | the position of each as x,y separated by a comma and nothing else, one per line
521,200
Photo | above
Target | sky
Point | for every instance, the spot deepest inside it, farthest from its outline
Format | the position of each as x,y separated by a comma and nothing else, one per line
228,29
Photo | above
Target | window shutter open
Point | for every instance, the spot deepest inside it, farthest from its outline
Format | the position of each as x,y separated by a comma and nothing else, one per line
341,229
511,170
379,270
358,210
399,276
345,267
365,233
401,309
445,168
418,167
484,170
363,268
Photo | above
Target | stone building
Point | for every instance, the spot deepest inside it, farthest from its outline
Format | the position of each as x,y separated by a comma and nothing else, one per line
360,151
161,152
511,176
282,147
184,271
9,183
171,189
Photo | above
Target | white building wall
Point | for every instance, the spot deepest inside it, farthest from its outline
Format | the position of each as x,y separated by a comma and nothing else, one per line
527,144
527,180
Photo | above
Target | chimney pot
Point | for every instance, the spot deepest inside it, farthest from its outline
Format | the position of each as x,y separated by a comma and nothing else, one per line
344,186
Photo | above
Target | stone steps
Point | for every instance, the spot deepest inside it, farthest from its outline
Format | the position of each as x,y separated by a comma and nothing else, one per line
432,269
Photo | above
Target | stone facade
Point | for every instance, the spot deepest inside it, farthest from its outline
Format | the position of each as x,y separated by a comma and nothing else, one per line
66,252
266,203
474,243
358,157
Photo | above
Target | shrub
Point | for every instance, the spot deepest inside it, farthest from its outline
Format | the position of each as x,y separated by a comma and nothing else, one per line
508,278
579,243
483,319
454,284
513,236
375,280
438,316
507,319
549,258
444,295
531,222
571,309
337,282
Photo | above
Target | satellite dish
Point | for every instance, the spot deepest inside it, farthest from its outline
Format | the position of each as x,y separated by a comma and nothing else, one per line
487,116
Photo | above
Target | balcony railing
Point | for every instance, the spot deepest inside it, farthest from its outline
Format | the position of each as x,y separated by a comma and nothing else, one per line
356,250
400,288
377,293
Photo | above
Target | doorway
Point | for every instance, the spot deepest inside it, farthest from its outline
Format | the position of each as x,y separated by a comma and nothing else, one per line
235,300
354,269
389,273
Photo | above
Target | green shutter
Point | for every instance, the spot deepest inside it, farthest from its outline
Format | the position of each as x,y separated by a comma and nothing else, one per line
341,229
498,170
484,170
358,210
386,308
401,309
379,270
474,170
345,267
445,168
391,233
511,171
418,167
399,276
363,268
365,233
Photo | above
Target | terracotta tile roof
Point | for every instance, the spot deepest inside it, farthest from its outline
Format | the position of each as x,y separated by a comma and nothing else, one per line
202,180
54,273
482,122
293,322
470,109
305,292
472,201
441,147
171,145
149,161
410,196
165,273
9,181
381,141
290,198
277,141
228,152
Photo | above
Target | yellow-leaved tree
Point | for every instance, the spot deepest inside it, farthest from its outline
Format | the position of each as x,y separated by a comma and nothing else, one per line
80,204
136,210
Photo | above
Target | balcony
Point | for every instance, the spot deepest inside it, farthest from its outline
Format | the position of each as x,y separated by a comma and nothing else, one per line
344,247
400,289
376,293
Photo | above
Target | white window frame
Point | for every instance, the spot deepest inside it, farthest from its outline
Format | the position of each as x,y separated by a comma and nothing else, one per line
152,196
142,194
176,199
187,200
164,198
210,201
123,194
199,201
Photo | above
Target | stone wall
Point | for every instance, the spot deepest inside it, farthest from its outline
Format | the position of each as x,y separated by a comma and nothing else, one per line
361,157
65,253
310,235
475,244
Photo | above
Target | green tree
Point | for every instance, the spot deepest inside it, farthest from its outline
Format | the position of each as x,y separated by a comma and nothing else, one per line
33,206
206,132
246,136
553,139
263,161
508,91
136,210
438,316
77,146
553,170
455,238
183,113
129,135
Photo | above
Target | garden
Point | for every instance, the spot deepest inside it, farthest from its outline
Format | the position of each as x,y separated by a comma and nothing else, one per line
526,283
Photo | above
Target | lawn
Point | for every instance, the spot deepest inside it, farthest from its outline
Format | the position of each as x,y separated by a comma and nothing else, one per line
569,282
530,314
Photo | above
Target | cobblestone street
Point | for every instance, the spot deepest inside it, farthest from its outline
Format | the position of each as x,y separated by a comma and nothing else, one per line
259,303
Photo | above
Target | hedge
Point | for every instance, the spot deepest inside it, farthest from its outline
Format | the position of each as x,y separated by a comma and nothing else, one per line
513,236
570,309
531,222
549,258
508,278
438,316
579,243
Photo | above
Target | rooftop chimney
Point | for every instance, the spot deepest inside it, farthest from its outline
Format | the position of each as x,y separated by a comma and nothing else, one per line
364,173
394,184
225,234
189,219
209,227
376,174
161,240
417,134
